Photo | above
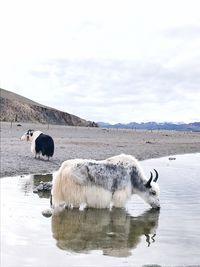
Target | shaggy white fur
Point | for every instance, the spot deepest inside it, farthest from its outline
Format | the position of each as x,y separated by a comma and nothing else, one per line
100,184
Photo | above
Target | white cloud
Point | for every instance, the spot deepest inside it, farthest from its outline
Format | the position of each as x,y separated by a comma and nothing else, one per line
104,60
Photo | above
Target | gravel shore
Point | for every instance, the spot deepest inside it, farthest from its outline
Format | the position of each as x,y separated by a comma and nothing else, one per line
94,143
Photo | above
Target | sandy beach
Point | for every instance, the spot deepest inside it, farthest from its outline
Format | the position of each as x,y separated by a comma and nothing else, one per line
94,143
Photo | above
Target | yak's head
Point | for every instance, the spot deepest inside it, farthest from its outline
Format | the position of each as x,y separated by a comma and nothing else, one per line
27,136
151,191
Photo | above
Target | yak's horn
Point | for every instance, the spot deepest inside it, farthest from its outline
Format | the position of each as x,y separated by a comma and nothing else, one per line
156,178
148,184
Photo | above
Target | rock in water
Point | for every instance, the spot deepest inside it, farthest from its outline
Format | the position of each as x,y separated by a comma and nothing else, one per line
43,187
47,213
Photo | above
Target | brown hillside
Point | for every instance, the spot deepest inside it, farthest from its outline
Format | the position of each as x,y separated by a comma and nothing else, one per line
14,107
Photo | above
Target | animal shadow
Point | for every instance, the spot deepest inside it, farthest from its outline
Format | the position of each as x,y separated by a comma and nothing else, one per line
115,232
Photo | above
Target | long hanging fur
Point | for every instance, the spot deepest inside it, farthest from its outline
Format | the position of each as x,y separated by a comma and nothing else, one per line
100,184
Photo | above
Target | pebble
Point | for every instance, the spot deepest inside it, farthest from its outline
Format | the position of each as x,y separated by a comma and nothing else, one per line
111,234
172,158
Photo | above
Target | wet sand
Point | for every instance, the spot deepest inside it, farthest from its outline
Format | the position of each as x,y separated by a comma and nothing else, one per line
94,143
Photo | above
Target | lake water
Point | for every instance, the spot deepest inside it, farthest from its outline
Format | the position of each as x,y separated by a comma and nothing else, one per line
135,236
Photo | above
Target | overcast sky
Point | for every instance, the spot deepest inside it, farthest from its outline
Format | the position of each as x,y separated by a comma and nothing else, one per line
104,60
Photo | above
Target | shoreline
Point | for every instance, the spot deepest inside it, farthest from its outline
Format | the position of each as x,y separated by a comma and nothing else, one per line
84,142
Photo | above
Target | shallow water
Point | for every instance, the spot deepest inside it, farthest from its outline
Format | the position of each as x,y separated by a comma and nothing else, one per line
134,236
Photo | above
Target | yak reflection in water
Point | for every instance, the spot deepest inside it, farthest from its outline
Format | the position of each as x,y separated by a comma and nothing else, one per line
114,232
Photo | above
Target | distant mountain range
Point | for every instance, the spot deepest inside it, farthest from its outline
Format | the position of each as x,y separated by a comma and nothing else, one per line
194,126
16,108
